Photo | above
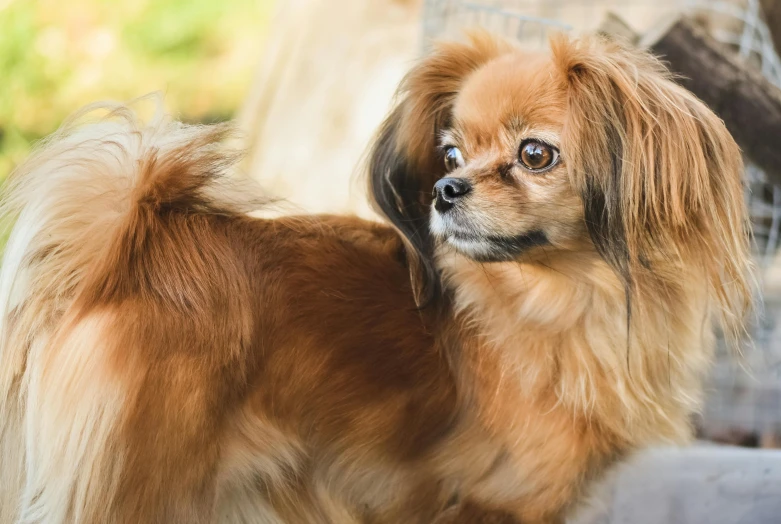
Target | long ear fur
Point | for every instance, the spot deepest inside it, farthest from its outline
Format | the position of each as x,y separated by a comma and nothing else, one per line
660,176
404,162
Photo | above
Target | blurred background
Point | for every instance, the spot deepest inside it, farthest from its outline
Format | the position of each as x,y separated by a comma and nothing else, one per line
56,56
309,81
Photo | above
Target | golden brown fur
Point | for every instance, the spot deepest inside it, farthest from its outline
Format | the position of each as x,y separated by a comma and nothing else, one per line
167,358
591,342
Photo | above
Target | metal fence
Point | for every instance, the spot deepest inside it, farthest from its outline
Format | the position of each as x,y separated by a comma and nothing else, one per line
744,394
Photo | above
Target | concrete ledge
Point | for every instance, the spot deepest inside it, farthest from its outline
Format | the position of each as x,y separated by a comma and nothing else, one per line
696,485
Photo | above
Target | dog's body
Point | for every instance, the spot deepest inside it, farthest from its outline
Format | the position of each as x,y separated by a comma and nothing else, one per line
167,358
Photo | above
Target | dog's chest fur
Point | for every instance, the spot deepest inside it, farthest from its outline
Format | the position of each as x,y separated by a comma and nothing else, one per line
559,382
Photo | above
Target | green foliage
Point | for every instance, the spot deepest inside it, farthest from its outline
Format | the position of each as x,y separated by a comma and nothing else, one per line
57,55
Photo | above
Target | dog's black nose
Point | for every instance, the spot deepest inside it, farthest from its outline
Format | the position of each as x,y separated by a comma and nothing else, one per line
448,190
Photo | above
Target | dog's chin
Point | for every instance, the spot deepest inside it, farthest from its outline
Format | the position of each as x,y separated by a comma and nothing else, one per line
483,246
490,248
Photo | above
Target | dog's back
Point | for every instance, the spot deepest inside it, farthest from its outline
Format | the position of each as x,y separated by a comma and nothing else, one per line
167,358
125,316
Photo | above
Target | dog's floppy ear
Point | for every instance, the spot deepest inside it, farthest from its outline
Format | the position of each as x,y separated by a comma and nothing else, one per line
659,174
405,162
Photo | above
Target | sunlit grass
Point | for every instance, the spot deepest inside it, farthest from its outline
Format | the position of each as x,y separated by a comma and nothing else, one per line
57,55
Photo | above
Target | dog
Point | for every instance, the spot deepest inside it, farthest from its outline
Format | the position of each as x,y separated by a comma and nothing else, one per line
563,233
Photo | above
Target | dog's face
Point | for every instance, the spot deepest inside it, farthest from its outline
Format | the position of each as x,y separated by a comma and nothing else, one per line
506,155
505,193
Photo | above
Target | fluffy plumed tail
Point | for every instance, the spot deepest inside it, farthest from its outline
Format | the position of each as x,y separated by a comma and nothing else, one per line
81,207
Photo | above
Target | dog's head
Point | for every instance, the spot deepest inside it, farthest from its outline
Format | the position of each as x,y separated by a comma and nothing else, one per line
511,156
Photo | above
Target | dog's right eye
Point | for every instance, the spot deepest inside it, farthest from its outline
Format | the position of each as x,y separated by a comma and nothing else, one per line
453,158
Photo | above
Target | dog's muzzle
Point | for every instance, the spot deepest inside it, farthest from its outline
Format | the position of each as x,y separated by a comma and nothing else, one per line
448,191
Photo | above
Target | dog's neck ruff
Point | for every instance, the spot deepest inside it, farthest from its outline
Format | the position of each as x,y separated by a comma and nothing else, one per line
560,330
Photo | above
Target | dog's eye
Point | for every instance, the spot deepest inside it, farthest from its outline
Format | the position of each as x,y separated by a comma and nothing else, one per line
453,158
537,156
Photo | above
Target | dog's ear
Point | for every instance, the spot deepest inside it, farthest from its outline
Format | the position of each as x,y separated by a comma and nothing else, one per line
405,161
659,174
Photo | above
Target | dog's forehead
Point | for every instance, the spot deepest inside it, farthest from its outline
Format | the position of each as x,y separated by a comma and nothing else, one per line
518,90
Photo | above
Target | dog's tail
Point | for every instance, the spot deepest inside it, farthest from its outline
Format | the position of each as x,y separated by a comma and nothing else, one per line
81,212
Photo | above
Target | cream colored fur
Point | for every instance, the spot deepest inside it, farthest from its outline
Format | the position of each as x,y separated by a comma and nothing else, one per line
59,402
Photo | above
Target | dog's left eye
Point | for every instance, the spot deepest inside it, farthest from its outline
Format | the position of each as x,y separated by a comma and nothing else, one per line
537,156
453,158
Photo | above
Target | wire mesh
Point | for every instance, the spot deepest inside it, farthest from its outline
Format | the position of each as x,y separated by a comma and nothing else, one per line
742,394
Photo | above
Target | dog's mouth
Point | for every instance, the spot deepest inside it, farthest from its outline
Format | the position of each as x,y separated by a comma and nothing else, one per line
483,246
492,248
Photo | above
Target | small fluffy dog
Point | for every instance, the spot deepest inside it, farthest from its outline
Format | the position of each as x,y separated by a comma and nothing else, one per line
166,358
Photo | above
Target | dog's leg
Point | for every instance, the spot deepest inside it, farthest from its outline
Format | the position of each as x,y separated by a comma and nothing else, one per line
124,422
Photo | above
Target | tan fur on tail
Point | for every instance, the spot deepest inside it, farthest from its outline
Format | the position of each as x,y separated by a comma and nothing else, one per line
86,206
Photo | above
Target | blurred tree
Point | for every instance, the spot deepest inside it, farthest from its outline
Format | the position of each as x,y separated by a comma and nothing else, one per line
325,83
56,56
772,12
